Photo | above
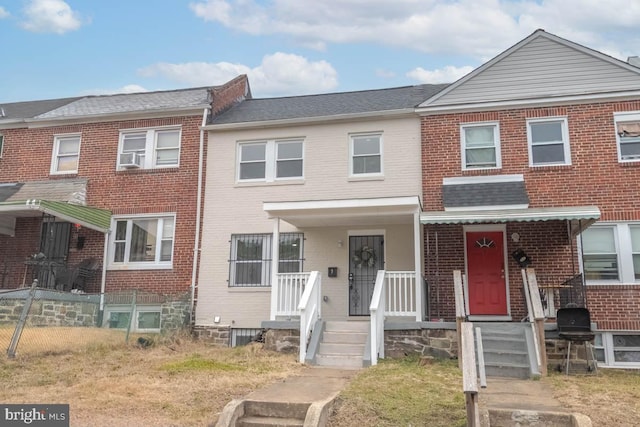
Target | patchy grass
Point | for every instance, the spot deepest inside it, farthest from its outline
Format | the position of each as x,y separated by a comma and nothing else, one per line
172,383
403,393
610,398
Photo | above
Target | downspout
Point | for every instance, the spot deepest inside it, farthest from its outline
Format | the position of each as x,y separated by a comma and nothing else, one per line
196,244
103,279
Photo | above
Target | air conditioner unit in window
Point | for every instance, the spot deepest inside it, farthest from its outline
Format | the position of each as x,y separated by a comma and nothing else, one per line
130,160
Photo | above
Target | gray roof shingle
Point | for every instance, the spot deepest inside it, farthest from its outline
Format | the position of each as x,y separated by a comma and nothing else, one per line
125,103
485,194
30,109
59,190
326,105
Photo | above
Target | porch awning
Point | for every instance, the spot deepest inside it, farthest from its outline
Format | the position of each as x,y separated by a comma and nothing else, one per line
580,217
93,218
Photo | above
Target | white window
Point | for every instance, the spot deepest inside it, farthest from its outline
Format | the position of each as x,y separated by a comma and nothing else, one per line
250,263
366,154
611,253
628,136
149,148
480,146
548,142
620,349
142,242
146,318
66,153
270,160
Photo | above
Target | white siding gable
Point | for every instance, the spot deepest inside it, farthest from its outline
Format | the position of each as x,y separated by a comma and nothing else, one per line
541,66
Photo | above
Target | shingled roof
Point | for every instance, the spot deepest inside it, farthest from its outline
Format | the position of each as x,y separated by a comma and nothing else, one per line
327,105
30,109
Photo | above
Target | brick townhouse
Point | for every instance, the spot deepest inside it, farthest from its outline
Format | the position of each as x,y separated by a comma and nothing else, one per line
102,193
534,159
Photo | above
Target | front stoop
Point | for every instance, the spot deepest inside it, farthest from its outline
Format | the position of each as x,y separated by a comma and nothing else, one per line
261,414
506,353
343,344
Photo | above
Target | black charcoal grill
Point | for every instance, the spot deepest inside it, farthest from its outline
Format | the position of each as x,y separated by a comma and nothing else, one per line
574,325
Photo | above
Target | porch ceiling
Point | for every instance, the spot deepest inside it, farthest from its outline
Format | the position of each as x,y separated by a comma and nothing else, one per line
346,212
579,217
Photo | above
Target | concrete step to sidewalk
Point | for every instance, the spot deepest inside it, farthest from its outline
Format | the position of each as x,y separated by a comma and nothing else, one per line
339,360
269,422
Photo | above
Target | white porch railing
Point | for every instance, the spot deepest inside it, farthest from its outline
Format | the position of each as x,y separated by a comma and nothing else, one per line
289,291
376,311
536,316
396,294
309,309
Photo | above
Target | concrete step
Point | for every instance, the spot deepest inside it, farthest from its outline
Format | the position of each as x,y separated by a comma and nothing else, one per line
510,370
269,422
339,361
506,356
504,344
344,337
347,326
275,409
341,348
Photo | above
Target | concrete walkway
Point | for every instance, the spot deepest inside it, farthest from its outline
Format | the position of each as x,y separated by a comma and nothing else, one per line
515,402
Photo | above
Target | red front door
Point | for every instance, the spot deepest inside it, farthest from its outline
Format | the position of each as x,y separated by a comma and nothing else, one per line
487,288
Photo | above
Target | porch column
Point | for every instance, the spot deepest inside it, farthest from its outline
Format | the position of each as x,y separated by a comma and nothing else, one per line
275,256
417,255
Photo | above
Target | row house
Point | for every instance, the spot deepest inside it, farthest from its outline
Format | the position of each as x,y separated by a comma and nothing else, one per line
357,208
100,194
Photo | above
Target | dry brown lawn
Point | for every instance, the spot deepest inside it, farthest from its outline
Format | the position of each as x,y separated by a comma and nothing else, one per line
176,382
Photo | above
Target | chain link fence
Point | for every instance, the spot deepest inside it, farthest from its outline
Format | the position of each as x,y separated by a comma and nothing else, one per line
39,321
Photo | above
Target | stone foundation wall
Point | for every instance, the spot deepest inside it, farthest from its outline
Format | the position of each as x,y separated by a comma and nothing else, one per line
282,340
176,315
557,355
439,343
51,312
219,336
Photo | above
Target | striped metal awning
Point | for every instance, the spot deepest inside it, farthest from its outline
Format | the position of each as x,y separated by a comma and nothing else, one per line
580,217
90,217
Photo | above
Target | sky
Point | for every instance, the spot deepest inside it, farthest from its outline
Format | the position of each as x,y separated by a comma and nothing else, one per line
64,48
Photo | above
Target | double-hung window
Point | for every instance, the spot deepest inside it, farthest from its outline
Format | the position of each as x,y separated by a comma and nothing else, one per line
366,154
270,160
611,253
66,154
142,242
628,136
480,146
548,142
149,148
250,261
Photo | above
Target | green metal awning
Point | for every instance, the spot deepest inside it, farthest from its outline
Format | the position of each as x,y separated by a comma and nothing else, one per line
90,217
580,217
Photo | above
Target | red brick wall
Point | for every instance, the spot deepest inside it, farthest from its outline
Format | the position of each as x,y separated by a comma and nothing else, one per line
27,157
595,177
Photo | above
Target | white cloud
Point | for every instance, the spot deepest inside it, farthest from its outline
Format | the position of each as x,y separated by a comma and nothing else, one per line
448,74
479,28
3,13
132,88
278,74
50,16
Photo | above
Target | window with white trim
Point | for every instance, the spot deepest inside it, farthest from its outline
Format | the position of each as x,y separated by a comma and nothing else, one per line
250,261
66,154
620,349
142,242
366,154
149,148
147,318
480,146
628,136
1,144
270,160
548,140
611,253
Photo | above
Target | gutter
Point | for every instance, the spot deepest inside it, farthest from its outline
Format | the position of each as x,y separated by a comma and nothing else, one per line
196,244
304,120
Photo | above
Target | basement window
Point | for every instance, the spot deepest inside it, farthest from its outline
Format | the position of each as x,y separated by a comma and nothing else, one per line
243,336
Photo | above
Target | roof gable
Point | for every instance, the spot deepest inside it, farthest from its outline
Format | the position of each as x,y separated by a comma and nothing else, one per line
541,66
